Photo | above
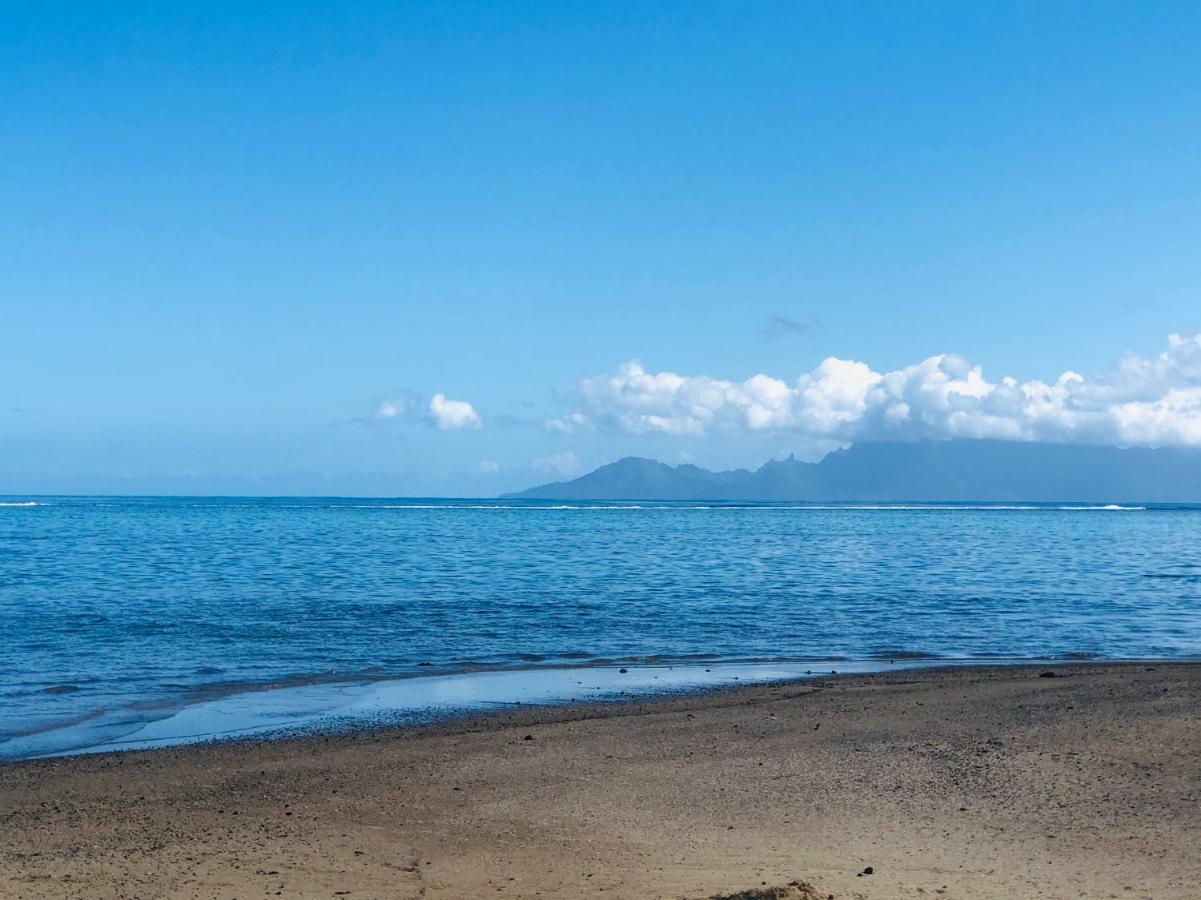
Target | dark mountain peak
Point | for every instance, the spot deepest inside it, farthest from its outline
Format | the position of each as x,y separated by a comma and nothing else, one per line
632,464
788,462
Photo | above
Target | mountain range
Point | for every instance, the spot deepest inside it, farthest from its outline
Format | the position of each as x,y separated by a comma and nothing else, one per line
957,470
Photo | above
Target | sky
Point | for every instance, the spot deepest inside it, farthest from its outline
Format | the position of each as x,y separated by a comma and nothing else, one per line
461,248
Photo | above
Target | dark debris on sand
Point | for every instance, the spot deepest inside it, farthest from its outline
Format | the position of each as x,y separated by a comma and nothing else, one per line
794,890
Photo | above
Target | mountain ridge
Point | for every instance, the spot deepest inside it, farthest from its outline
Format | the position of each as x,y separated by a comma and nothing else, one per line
929,471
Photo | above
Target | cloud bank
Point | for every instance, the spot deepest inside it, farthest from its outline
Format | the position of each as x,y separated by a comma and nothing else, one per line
1141,402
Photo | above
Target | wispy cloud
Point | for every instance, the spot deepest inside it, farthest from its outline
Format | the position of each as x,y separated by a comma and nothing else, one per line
564,464
782,326
571,424
508,420
390,409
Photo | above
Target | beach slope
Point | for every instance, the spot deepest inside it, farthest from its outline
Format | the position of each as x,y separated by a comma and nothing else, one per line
946,783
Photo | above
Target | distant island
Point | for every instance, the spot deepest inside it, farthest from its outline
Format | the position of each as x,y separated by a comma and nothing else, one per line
953,471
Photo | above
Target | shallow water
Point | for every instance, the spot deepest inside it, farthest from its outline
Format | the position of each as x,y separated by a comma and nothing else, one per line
119,613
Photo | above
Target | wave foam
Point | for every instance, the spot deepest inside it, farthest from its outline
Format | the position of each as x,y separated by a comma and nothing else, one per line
1106,507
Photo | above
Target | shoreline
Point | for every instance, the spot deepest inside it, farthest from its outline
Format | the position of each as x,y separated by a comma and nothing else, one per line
948,781
315,707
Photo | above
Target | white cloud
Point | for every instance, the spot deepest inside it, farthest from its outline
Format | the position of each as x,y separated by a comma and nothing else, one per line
1149,402
487,467
450,414
439,412
392,409
564,463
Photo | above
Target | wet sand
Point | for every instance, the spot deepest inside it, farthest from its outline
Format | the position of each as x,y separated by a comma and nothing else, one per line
990,783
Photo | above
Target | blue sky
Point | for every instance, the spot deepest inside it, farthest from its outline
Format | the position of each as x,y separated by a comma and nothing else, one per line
244,246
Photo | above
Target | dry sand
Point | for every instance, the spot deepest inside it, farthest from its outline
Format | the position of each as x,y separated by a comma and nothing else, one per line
953,783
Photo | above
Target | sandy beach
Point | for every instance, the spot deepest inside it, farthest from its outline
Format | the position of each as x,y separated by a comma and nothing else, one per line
990,783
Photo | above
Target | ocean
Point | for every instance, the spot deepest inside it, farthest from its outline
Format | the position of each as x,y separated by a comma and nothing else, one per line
131,621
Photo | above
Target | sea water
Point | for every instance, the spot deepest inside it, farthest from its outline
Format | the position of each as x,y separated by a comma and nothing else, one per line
138,621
